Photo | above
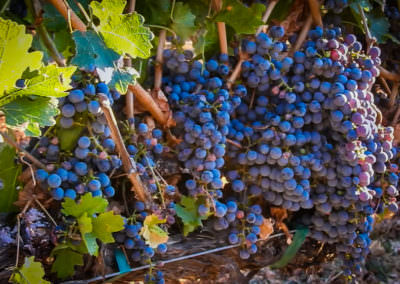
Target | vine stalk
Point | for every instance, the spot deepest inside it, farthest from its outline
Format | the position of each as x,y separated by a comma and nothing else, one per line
267,14
69,15
128,164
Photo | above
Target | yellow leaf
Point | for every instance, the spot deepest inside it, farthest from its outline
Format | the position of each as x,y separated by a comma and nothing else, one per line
152,233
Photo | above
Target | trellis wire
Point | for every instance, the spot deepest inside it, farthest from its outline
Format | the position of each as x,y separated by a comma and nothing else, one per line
167,261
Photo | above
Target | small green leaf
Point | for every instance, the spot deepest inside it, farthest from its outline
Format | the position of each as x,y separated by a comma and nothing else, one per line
87,204
85,224
290,252
105,224
187,211
281,10
91,244
92,51
365,5
35,112
152,233
243,19
122,77
30,272
392,38
124,33
69,136
183,20
156,12
65,262
64,43
378,25
9,172
14,55
207,42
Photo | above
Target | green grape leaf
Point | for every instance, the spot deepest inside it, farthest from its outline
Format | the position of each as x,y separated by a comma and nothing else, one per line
92,51
156,12
65,262
14,55
91,244
207,42
152,233
54,21
49,81
123,33
85,224
69,136
183,20
378,25
31,113
243,19
392,38
30,272
87,204
290,252
105,224
187,211
9,172
365,5
122,77
64,42
281,11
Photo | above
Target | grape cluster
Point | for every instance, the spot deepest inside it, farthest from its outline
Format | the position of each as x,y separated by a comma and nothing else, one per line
135,245
202,106
88,168
244,223
308,136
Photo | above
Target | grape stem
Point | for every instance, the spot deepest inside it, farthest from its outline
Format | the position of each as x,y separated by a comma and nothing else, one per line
315,12
25,153
35,7
27,205
159,60
234,143
389,75
393,94
385,84
303,34
147,101
266,15
396,117
69,15
236,71
128,164
370,40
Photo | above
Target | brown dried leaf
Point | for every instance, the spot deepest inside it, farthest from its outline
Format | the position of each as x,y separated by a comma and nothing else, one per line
150,122
172,139
266,229
170,120
174,179
292,23
279,214
29,191
161,100
396,139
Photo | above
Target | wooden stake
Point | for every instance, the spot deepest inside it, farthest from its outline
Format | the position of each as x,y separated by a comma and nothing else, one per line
159,60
